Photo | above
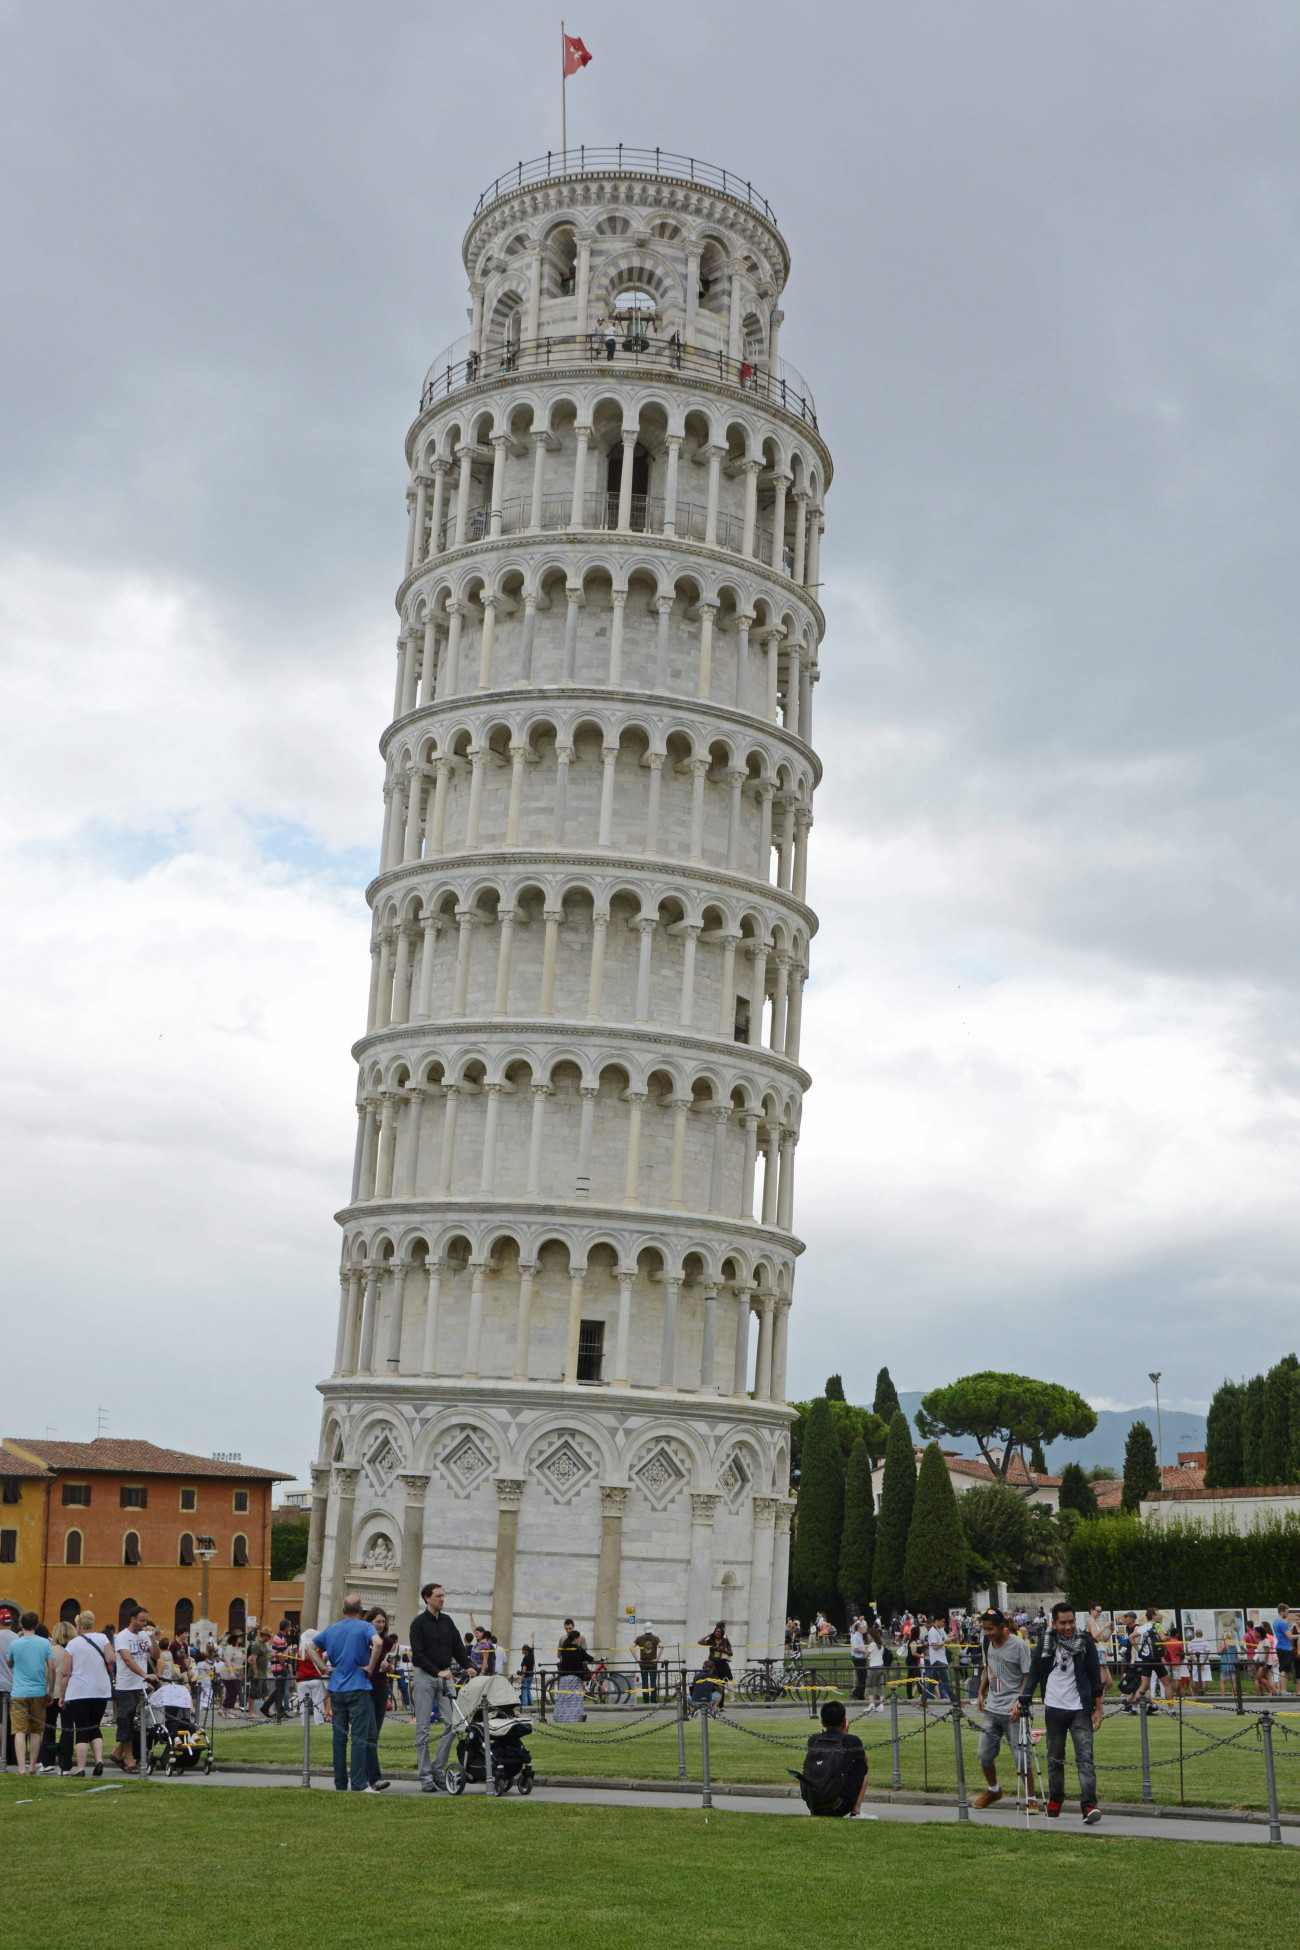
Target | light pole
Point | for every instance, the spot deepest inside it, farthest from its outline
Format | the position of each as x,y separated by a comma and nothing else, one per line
1160,1436
205,1550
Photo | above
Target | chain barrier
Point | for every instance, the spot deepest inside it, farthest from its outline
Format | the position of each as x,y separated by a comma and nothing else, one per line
600,1739
801,1740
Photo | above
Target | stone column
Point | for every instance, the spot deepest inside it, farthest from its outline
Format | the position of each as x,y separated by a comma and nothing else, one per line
716,455
629,438
320,1493
795,1017
384,997
645,927
705,681
577,1287
464,480
690,933
779,1000
727,993
519,752
450,673
491,1120
780,1572
506,921
474,1339
717,1180
524,1325
485,642
680,1107
668,1351
802,825
446,1170
550,946
429,925
510,1494
605,827
736,778
763,1373
708,1348
632,1169
613,1502
500,447
785,1193
582,1178
569,668
673,442
387,1141
693,254
753,468
429,1355
779,1349
749,1124
438,820
760,1581
408,1584
465,922
401,1268
780,483
541,1091
664,609
599,931
740,1366
541,441
582,285
429,663
563,758
414,807
699,1588
771,1154
478,757
529,639
344,1486
655,762
441,469
401,1009
623,1337
757,952
772,641
369,1312
766,794
534,294
616,640
576,509
342,1339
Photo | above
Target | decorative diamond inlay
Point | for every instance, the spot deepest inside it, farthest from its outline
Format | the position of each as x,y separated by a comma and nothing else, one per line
735,1478
384,1461
660,1476
465,1463
564,1470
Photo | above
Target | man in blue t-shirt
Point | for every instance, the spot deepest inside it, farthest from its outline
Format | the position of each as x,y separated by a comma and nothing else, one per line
1284,1635
349,1652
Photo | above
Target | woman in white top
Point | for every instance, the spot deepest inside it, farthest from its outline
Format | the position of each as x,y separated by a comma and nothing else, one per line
86,1687
1098,1628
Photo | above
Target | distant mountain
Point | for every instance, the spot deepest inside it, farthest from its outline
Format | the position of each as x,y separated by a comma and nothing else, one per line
1183,1430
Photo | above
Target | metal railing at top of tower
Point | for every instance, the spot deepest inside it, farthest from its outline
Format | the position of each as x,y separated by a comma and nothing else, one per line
781,386
645,516
583,160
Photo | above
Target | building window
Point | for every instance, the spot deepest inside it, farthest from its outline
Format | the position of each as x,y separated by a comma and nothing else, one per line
239,1549
126,1611
183,1617
134,1496
76,1496
131,1547
68,1611
187,1549
72,1547
235,1615
8,1546
591,1349
189,1499
13,1489
241,1503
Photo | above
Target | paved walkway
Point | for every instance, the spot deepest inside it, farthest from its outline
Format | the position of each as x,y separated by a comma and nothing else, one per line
1164,1828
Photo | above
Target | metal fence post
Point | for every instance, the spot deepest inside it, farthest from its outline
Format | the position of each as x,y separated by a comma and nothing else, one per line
4,1733
1274,1825
896,1780
681,1724
144,1734
1146,1749
963,1811
707,1799
488,1782
306,1740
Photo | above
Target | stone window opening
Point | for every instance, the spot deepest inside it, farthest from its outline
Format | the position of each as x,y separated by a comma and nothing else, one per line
131,1547
185,1554
13,1489
239,1550
77,1495
240,1504
72,1547
134,1496
591,1350
8,1546
189,1499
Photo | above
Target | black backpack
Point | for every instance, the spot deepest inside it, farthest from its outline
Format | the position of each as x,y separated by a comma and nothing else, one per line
822,1781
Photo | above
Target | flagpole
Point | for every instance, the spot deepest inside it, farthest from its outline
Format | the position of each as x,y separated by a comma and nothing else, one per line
564,105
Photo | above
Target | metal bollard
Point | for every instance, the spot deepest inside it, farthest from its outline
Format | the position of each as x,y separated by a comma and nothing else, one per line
306,1740
896,1780
963,1811
707,1800
1146,1750
681,1726
1274,1824
4,1733
488,1783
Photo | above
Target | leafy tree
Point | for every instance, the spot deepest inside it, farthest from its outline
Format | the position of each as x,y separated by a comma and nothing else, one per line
894,1518
1252,1431
1041,1566
996,1523
1275,1460
819,1519
1102,1473
850,1423
934,1567
1037,1460
1295,1429
289,1549
1007,1409
858,1540
1141,1471
886,1404
1223,1464
1077,1492
834,1388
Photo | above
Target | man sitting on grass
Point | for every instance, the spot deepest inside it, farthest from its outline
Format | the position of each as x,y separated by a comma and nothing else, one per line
834,1777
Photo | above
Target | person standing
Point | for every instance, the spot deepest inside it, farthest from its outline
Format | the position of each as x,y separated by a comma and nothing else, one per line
936,1657
719,1646
380,1669
311,1687
1284,1640
1098,1627
85,1688
858,1655
436,1655
573,1663
1067,1670
30,1660
132,1646
278,1650
349,1652
1198,1651
257,1665
648,1647
56,1748
527,1667
1007,1659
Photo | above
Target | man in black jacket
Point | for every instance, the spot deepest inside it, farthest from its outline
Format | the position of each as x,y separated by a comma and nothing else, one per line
1067,1669
437,1650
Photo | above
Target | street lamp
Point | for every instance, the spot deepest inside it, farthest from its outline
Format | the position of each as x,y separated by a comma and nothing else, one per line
1160,1437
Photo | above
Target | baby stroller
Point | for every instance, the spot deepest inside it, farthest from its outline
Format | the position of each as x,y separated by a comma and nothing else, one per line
172,1739
511,1761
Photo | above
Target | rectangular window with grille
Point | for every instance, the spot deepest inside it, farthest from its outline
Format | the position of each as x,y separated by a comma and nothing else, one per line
241,1503
8,1546
189,1499
591,1349
77,1494
134,1496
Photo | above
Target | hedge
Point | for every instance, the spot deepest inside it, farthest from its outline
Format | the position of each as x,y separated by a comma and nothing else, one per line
1125,1561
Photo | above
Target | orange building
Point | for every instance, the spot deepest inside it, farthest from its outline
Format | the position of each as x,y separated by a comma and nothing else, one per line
188,1536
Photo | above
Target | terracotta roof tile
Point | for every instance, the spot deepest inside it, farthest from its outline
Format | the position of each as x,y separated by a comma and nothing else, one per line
1199,1492
12,1464
138,1459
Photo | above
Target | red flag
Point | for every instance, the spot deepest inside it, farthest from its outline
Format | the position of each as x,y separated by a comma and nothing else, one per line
575,54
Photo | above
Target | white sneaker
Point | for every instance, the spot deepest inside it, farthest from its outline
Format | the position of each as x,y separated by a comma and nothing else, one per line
376,1787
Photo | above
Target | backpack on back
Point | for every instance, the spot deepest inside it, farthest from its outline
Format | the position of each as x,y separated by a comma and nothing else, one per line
822,1781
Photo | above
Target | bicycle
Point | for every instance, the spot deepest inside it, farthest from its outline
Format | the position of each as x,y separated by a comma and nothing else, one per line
603,1686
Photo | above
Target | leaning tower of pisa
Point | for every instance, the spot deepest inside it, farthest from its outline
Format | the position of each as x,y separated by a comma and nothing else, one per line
568,1262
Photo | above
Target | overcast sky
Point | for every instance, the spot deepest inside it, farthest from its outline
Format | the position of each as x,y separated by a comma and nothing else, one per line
1045,289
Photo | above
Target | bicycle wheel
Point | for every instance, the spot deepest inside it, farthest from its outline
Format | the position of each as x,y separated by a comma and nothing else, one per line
616,1689
750,1684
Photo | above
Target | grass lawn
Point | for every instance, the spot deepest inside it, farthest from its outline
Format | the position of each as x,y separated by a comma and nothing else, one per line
1224,1777
242,1869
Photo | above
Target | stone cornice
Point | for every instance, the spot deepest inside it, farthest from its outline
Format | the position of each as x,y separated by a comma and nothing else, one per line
654,1403
532,1213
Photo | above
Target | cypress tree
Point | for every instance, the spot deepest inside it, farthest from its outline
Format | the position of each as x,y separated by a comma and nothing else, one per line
834,1388
934,1567
858,1540
1037,1460
1077,1492
1141,1471
1223,1438
1252,1431
1275,1460
886,1404
819,1518
894,1518
1295,1428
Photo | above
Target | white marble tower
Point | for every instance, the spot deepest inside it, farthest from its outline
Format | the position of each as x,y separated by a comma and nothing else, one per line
568,1257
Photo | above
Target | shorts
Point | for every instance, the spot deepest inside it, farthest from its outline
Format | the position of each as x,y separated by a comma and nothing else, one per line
86,1716
994,1729
26,1715
1286,1660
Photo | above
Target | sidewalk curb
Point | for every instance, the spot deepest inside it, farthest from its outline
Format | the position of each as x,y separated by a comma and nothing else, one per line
765,1791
